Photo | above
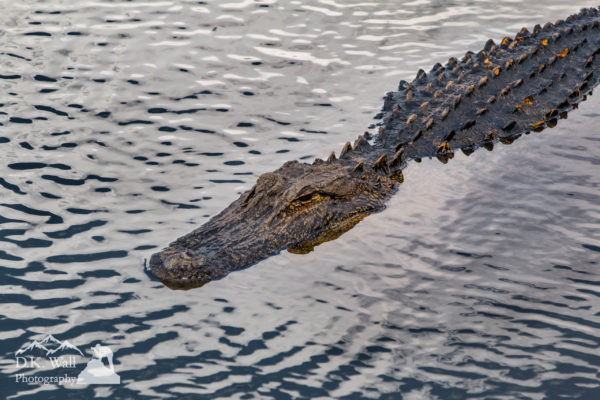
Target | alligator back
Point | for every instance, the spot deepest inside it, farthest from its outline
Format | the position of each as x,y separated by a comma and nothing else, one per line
506,89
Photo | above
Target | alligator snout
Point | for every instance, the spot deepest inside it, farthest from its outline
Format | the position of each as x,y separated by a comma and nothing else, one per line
177,265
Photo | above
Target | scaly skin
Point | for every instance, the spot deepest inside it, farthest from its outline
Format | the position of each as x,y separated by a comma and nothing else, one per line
517,86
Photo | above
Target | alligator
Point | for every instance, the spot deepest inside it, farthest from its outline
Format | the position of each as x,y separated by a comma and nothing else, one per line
506,90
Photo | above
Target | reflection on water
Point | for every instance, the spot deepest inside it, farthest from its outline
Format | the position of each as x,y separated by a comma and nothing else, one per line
127,124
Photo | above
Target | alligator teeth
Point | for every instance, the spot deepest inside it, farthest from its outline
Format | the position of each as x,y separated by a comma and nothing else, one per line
347,147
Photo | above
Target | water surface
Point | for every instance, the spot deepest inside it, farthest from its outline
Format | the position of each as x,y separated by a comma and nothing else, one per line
127,124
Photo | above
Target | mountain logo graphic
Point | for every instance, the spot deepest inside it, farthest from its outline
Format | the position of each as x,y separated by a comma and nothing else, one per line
51,354
49,346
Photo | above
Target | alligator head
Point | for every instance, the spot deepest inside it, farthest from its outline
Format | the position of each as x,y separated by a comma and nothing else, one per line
295,207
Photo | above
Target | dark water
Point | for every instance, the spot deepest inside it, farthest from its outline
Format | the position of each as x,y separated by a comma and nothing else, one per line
126,124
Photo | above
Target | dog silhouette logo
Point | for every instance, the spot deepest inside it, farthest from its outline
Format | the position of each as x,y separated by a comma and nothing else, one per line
96,372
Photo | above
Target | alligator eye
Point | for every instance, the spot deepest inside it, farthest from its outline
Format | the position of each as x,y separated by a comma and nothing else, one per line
305,197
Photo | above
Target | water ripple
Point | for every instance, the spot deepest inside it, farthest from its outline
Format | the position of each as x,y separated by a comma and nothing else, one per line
128,124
